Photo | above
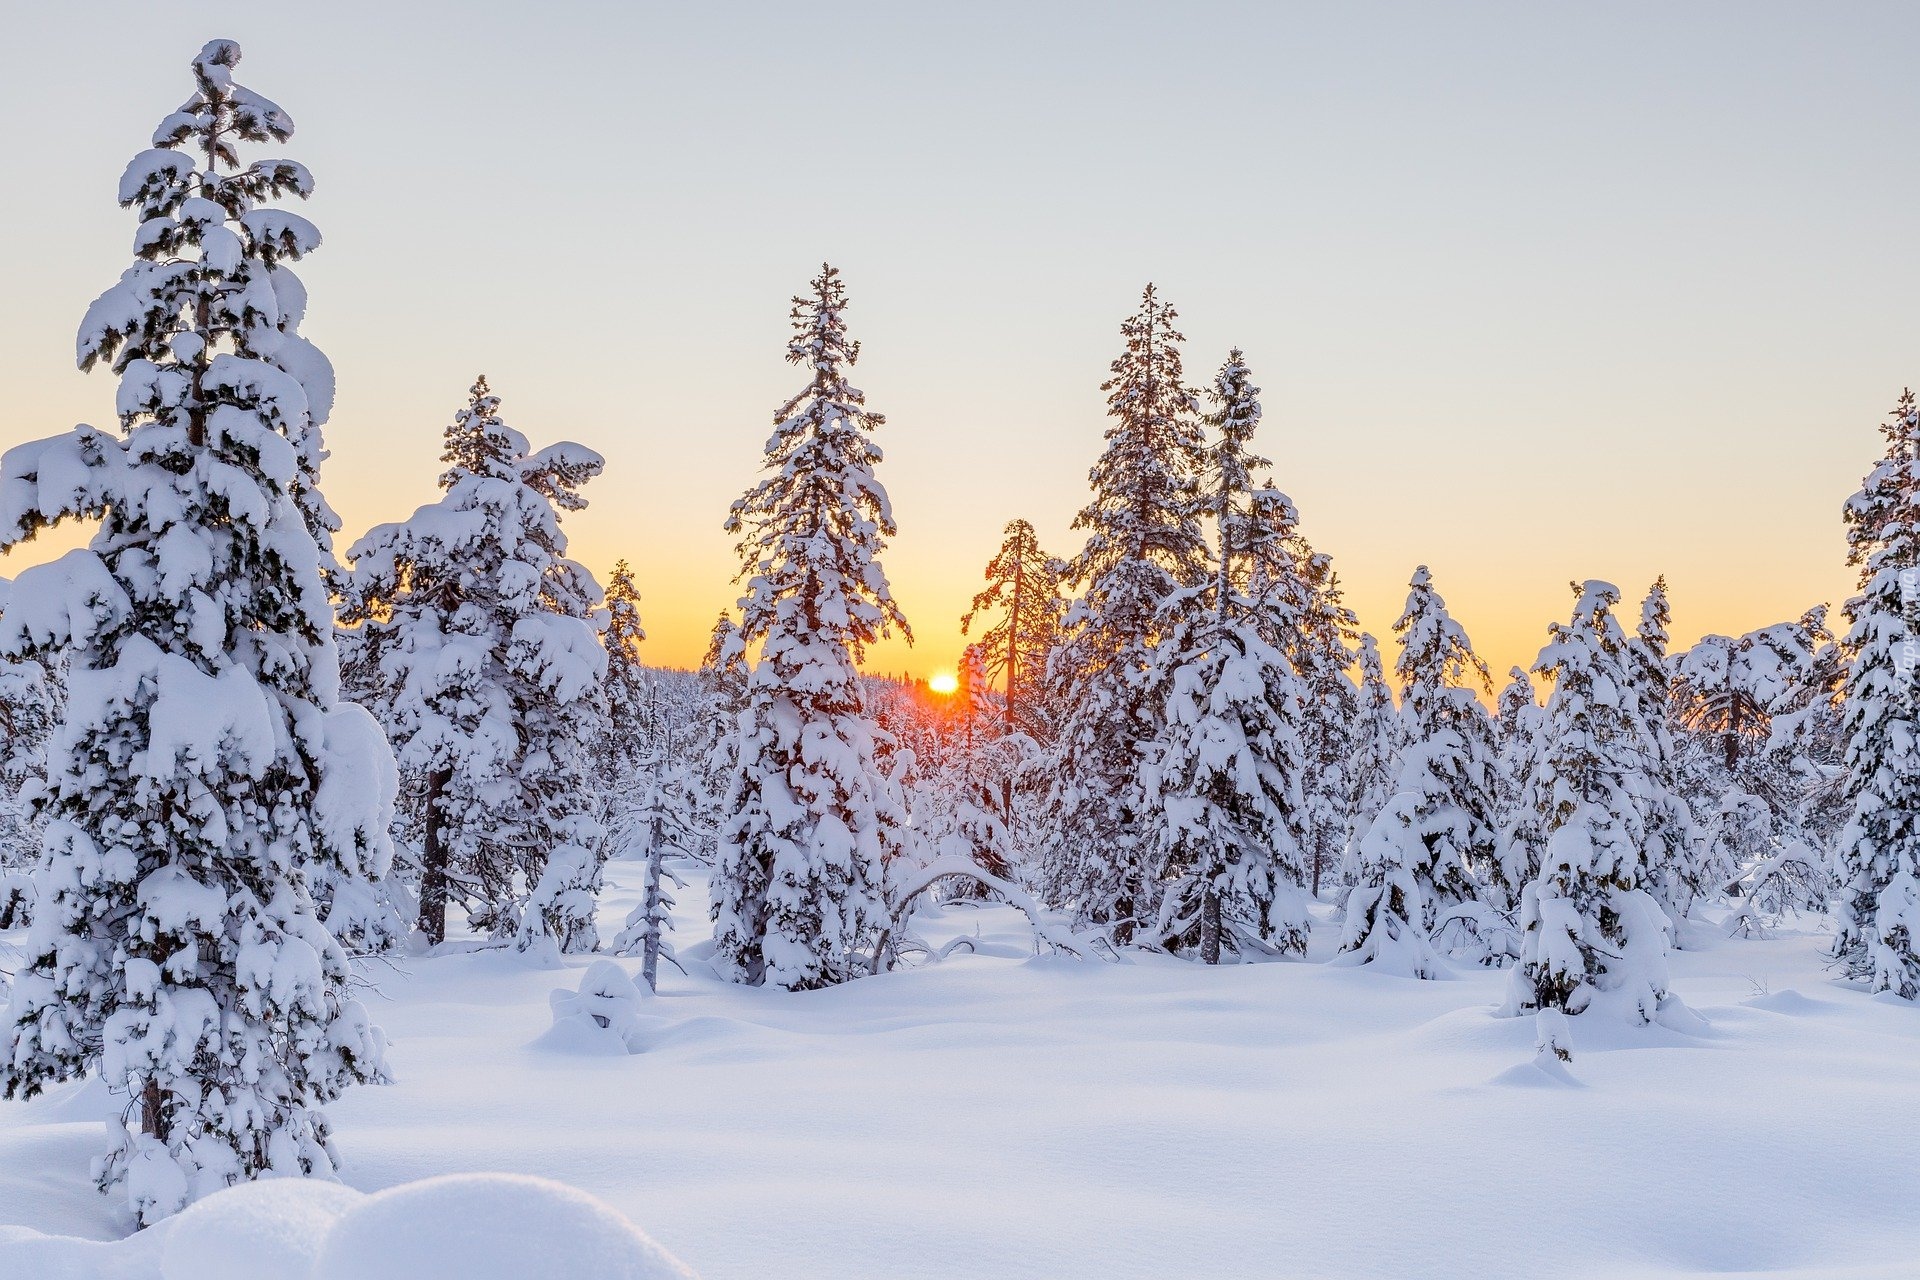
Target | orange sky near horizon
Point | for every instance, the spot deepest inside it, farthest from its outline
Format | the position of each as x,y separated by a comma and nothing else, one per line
1533,295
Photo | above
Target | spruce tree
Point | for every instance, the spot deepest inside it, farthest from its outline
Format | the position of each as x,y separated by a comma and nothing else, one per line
1448,754
1373,765
722,684
1388,907
1321,651
1522,837
1719,692
661,819
629,703
1144,545
1222,783
479,638
1590,928
1879,910
1023,587
205,774
798,899
1672,840
1303,616
30,707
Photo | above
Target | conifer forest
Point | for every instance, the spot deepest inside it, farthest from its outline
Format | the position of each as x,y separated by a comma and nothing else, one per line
379,901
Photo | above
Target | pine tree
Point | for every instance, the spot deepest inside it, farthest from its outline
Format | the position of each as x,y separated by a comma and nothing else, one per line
1879,909
1590,929
797,891
478,634
1023,587
1143,545
1718,692
1749,715
205,774
1223,802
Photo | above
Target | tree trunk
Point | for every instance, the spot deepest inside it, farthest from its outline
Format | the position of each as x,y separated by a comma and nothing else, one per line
1210,925
650,948
433,862
153,1110
1013,638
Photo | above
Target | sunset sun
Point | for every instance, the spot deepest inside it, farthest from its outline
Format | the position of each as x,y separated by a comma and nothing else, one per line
944,683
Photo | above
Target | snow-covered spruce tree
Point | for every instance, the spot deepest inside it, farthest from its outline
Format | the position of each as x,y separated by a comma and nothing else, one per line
629,707
30,707
1303,616
1754,717
205,772
1448,756
1523,838
1023,589
798,899
1144,544
662,819
1221,781
1591,930
482,638
1879,910
1322,651
1720,690
1672,850
1373,765
1388,905
722,682
1808,740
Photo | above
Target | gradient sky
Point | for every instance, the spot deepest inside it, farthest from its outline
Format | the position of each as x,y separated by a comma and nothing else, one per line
1535,292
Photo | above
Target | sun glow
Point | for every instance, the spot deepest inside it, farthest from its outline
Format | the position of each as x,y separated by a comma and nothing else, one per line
944,683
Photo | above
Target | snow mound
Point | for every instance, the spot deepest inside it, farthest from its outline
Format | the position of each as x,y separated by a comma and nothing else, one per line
1541,1073
1790,1002
602,1017
489,1226
474,1226
268,1230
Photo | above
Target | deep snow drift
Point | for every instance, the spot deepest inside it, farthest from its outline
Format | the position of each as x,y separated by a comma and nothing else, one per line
1004,1115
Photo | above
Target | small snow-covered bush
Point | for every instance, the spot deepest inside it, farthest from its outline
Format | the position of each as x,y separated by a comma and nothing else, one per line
607,1007
1387,909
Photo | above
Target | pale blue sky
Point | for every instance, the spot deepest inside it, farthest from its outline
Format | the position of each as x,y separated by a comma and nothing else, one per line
1535,291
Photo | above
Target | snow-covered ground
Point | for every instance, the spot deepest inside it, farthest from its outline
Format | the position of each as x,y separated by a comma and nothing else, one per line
1003,1115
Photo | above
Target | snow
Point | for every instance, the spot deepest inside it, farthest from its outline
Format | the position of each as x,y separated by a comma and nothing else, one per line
268,1230
461,1227
488,1227
1011,1116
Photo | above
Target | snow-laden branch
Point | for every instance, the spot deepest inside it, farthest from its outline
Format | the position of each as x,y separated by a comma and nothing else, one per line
925,877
